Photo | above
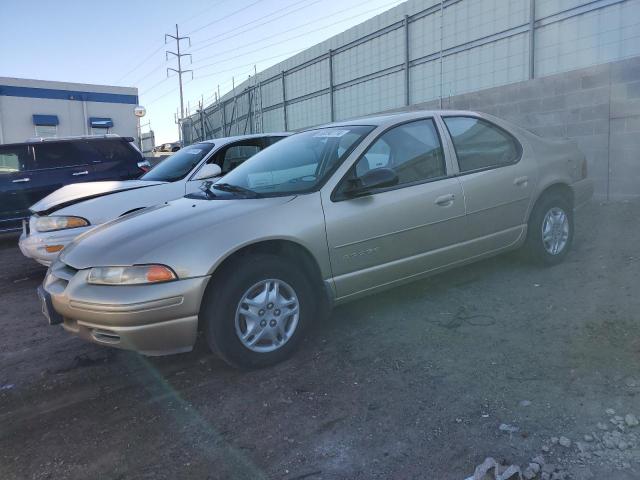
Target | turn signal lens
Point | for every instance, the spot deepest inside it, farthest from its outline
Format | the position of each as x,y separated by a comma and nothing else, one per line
50,224
136,275
159,273
53,248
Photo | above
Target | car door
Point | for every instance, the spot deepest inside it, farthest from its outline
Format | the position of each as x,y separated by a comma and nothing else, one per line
229,157
397,232
16,172
59,164
497,180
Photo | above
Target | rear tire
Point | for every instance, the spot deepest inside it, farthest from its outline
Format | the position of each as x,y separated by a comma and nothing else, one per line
550,230
260,294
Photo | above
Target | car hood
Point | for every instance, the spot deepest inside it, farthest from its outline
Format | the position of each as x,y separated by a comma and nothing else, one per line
165,233
78,192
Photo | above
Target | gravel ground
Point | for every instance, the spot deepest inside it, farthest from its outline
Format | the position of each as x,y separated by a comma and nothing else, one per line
499,359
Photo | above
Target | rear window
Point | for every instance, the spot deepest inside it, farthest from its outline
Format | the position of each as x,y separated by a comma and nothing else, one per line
114,151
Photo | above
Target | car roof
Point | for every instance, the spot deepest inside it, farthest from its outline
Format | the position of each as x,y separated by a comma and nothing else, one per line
394,117
376,120
48,140
224,140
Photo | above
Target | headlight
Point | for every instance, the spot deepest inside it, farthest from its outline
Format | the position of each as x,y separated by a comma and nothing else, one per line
136,275
49,224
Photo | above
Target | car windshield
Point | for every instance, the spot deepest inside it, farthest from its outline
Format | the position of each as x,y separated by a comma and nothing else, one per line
178,165
296,164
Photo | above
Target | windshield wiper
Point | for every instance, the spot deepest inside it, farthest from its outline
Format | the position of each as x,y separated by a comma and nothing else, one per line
227,187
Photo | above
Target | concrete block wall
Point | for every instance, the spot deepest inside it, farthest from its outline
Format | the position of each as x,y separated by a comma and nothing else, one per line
597,107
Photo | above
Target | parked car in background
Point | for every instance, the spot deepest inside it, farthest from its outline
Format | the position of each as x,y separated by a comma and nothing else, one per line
168,147
66,213
322,217
32,170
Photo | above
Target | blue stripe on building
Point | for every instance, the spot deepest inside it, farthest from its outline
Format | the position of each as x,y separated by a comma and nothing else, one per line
30,92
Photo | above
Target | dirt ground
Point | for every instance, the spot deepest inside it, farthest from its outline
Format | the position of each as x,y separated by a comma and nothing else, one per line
413,383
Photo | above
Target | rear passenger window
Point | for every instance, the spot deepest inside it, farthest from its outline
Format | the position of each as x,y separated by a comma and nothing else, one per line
480,144
56,155
412,150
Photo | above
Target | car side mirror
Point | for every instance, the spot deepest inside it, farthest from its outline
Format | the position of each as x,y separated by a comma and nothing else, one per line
376,178
208,170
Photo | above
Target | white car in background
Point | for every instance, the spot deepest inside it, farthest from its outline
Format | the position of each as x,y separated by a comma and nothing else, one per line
73,209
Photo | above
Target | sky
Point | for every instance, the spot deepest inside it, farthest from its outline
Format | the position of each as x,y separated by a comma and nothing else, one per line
121,42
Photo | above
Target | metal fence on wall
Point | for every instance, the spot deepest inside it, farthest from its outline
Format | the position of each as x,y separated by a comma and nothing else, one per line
419,51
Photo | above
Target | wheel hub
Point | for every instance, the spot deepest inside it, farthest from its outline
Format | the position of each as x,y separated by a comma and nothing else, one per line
267,315
555,231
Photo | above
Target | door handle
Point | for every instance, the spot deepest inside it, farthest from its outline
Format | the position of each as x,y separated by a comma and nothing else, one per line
520,181
84,172
21,180
445,200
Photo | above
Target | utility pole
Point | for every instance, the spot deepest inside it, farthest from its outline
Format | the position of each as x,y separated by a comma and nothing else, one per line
178,121
179,71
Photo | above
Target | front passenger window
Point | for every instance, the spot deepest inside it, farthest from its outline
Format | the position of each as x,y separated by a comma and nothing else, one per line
413,150
236,155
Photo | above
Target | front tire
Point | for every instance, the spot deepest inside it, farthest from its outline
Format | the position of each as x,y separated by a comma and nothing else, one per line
257,311
550,230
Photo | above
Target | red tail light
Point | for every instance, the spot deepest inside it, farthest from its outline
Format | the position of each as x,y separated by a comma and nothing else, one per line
144,165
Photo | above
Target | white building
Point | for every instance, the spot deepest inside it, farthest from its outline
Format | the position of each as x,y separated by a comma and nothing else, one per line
38,108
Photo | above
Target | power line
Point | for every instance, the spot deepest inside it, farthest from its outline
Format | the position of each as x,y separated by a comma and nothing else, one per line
237,67
236,32
173,89
291,38
148,74
217,72
231,69
240,10
199,13
151,102
250,72
252,43
146,59
154,86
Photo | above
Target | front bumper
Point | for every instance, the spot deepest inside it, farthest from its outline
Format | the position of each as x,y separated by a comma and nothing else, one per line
155,319
33,244
582,192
